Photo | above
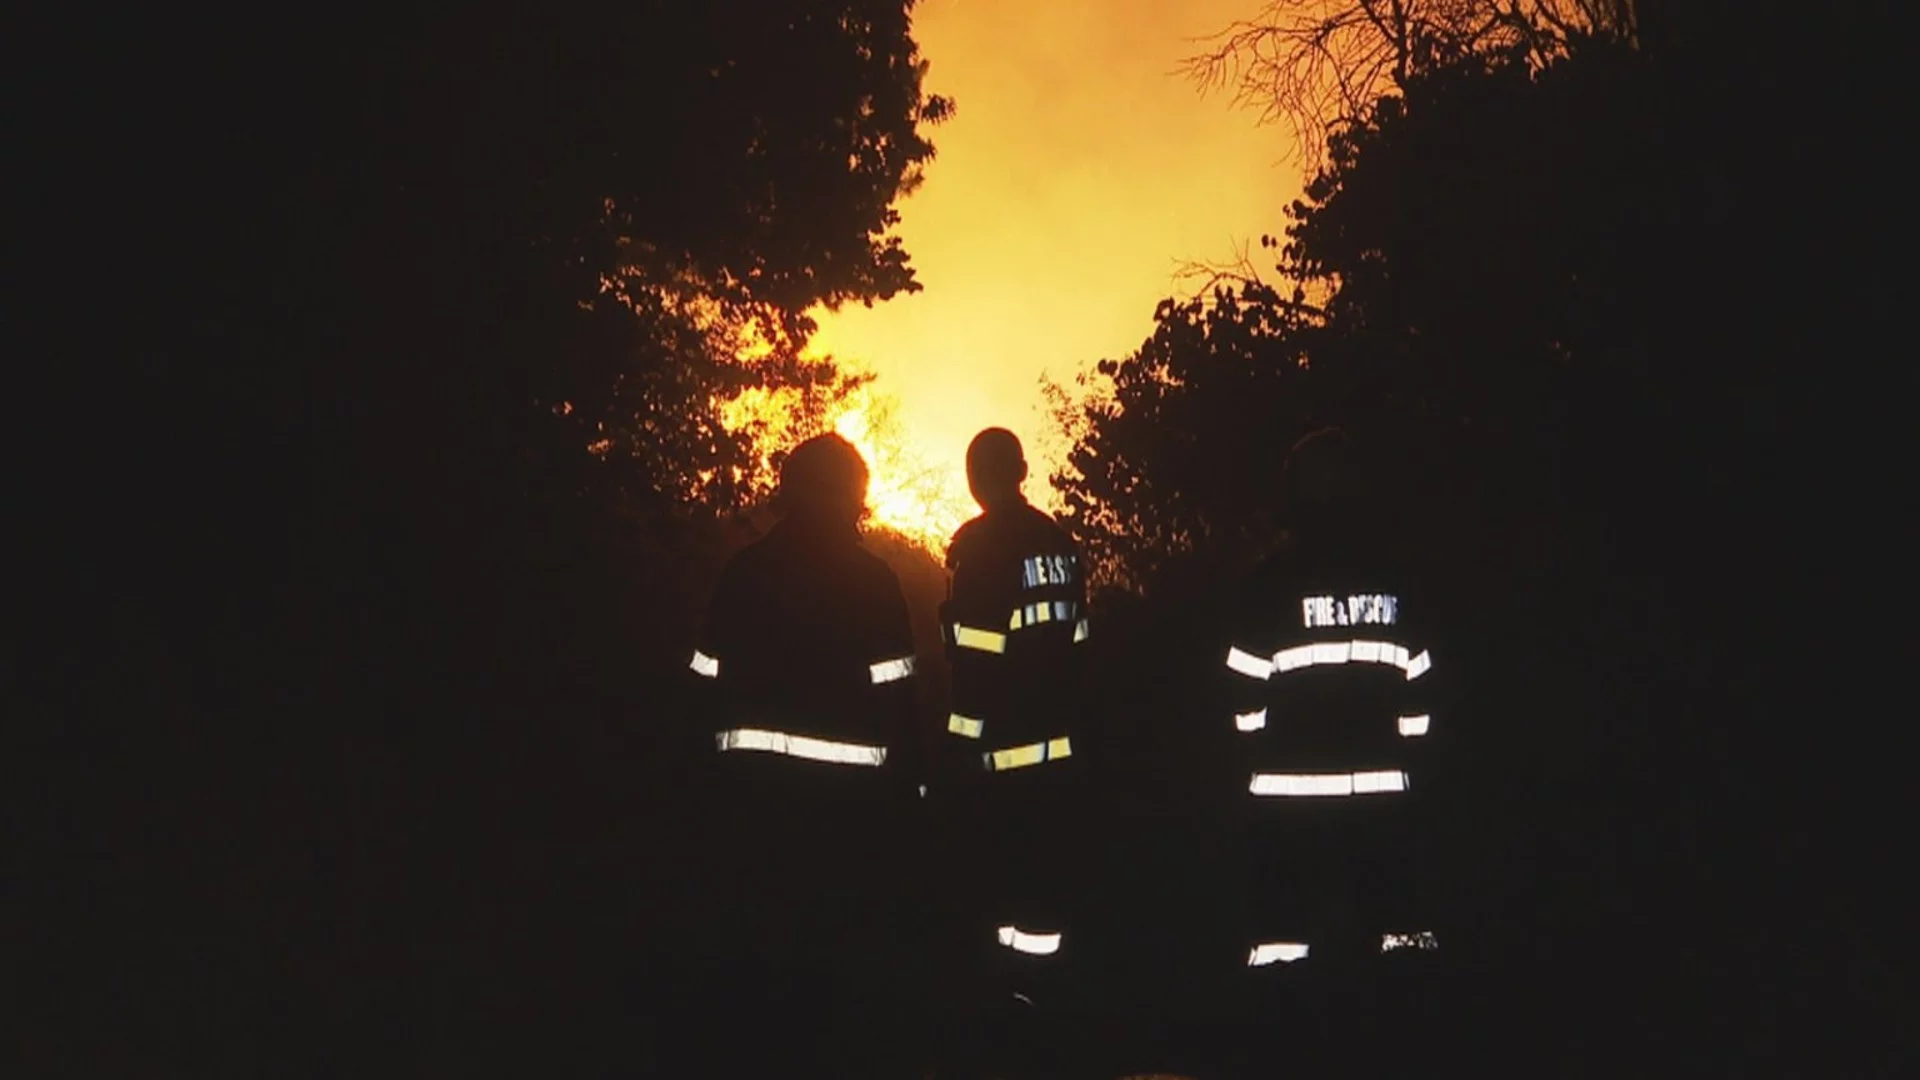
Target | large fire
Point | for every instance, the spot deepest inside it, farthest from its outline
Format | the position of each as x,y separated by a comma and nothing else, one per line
907,493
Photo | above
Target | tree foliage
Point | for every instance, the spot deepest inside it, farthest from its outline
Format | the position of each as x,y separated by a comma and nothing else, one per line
699,236
1473,252
600,223
1170,454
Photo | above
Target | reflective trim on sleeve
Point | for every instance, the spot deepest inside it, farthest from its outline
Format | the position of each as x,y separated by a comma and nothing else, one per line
889,670
1015,757
1311,784
1080,631
1020,941
1248,664
968,637
1421,940
1411,726
1285,952
1250,721
705,665
1418,665
964,725
800,746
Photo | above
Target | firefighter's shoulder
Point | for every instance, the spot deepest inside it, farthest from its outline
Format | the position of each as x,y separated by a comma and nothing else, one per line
967,537
870,571
1029,530
753,564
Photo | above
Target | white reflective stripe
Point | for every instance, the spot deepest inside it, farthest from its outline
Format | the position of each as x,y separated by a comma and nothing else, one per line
1285,952
1365,783
1411,726
1248,664
1418,665
889,670
1080,631
962,725
1332,652
1015,757
1251,721
968,637
1340,652
1309,784
1288,659
705,665
1038,944
801,746
1298,784
1422,940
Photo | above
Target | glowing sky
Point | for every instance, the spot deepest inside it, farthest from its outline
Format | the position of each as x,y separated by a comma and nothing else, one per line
1082,167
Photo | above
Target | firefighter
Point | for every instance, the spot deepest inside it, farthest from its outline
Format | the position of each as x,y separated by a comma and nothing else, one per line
1014,626
807,663
1328,688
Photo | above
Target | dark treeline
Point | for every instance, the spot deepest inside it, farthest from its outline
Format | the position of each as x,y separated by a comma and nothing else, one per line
1560,295
366,528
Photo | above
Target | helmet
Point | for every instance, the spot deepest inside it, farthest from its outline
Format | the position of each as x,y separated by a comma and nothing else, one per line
825,477
1324,475
996,466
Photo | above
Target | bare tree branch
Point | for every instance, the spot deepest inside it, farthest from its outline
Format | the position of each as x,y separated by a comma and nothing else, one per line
1318,63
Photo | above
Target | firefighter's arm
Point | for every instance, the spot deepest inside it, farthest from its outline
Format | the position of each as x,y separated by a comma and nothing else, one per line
900,698
1425,716
706,667
1244,662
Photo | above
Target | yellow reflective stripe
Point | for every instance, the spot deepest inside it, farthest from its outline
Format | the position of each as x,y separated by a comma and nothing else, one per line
964,725
1015,757
1080,632
968,637
1047,611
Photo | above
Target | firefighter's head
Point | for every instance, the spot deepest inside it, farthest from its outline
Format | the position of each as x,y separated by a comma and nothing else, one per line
824,479
1326,484
996,467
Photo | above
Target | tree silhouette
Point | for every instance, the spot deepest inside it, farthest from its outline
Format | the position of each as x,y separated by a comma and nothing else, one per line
677,250
1177,453
406,271
1462,271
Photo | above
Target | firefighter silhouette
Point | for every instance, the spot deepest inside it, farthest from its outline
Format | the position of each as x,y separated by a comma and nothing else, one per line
1015,625
807,662
1326,682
